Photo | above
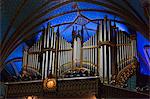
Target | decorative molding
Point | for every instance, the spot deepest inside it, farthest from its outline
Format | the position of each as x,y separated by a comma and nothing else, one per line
126,73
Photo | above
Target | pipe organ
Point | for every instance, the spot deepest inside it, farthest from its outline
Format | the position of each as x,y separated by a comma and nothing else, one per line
106,53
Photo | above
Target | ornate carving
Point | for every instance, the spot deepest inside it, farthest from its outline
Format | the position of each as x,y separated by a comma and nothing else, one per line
126,73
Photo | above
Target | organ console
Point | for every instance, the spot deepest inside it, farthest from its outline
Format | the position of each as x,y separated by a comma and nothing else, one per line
104,54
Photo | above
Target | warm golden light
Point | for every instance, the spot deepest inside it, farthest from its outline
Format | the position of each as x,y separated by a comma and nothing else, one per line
93,97
29,97
50,84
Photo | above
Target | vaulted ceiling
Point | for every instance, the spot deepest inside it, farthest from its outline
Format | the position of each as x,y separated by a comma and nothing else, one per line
20,19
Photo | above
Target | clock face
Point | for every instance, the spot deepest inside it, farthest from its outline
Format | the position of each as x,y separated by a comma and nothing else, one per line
51,84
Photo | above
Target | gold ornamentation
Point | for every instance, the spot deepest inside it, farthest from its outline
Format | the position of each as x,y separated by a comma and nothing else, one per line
50,84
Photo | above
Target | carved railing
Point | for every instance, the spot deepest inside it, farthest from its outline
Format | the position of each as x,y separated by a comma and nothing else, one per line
126,73
24,88
65,87
78,86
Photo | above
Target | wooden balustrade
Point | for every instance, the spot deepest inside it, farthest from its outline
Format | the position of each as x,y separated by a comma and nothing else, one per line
65,87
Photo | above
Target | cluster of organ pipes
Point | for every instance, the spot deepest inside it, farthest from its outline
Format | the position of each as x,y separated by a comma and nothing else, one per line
104,54
56,53
90,54
31,57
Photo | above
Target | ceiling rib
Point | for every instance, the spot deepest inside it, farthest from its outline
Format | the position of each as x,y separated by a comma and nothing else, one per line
17,12
28,17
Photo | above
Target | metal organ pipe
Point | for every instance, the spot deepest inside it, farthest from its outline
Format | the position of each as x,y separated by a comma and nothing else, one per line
59,56
43,61
130,55
101,48
131,50
30,60
25,59
34,58
50,51
126,49
123,56
110,50
105,51
52,47
63,61
120,50
123,49
46,53
126,40
119,42
92,54
39,56
88,51
64,55
114,51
